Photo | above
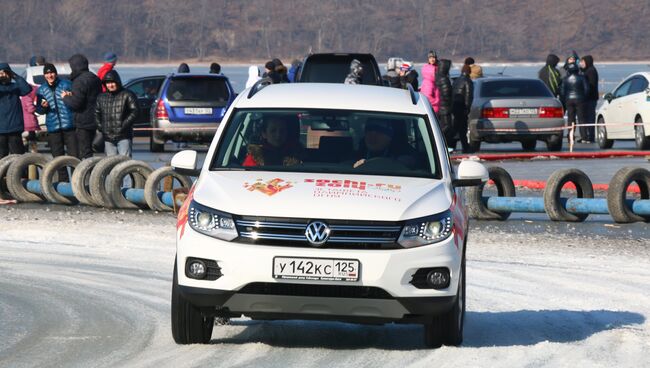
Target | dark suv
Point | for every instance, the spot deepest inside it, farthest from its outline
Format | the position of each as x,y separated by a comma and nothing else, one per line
333,68
189,108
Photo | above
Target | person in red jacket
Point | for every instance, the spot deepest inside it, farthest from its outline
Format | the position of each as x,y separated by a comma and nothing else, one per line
280,144
110,59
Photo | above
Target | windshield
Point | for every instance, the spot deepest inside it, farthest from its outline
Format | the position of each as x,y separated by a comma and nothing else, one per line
515,88
199,89
328,141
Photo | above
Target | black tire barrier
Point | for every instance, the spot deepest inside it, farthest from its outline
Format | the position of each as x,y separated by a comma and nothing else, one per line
552,202
81,178
135,169
47,177
97,182
153,183
16,173
505,188
5,162
616,194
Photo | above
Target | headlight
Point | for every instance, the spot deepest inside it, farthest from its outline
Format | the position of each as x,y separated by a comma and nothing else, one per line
426,230
211,222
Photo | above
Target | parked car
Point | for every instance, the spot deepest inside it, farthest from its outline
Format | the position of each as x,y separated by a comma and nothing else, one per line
334,67
146,90
275,228
189,108
628,103
509,109
34,76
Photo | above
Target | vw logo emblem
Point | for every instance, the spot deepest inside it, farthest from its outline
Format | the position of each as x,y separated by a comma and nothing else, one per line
317,233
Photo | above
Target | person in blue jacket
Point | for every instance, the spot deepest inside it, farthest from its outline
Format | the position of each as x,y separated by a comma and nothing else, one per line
12,87
59,118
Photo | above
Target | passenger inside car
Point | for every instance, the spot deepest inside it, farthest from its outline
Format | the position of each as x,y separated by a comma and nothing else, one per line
280,144
385,139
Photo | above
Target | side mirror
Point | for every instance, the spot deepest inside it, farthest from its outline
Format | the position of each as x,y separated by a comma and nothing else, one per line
609,97
470,173
184,163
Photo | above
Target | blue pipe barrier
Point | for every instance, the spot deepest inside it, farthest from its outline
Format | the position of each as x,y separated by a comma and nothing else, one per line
65,189
573,205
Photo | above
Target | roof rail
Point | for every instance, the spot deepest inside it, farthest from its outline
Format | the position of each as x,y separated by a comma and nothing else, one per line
414,95
259,85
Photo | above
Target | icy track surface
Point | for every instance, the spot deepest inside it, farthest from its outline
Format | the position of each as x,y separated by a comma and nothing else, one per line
91,288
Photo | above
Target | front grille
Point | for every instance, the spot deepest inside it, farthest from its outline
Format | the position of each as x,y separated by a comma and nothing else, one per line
327,291
344,234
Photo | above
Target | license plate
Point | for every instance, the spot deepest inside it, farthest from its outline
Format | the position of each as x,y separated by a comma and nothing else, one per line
198,111
523,112
316,269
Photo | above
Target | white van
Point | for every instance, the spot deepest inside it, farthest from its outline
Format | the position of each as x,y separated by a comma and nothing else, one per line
328,202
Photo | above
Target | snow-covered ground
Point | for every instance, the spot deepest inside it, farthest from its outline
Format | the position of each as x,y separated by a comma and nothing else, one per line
84,287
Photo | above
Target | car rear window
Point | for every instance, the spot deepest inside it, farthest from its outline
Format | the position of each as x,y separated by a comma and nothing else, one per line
515,88
334,69
198,89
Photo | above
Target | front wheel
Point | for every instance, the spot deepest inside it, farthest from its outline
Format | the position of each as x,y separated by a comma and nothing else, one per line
601,135
447,328
641,140
189,326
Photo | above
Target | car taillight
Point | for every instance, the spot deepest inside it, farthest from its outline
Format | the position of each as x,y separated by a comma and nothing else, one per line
161,110
495,113
551,112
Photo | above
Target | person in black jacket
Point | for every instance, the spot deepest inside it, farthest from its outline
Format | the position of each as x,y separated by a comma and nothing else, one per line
85,88
573,94
550,75
408,75
11,110
462,98
444,90
115,113
587,134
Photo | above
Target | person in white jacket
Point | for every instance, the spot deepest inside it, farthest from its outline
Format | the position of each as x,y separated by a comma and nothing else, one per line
253,75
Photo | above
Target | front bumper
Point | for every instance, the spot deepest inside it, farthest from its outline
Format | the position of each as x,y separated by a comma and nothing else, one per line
512,129
388,270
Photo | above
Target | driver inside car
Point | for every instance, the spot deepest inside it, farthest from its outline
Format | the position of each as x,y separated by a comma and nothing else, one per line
280,143
382,139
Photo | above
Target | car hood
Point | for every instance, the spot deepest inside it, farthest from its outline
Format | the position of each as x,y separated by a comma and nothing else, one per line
322,196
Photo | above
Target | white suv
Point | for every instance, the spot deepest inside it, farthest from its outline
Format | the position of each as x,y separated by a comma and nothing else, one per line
328,202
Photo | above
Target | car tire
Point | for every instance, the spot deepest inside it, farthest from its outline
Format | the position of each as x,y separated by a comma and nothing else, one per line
617,193
554,143
81,178
189,326
552,192
640,139
529,144
152,185
155,147
116,177
5,163
15,176
474,146
47,179
505,188
601,135
447,328
97,182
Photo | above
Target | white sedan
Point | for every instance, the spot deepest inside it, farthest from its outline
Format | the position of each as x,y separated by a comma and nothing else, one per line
628,104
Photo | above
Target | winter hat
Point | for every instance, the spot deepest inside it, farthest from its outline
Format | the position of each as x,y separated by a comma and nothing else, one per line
380,125
183,68
110,57
469,61
49,68
5,67
215,68
406,67
432,53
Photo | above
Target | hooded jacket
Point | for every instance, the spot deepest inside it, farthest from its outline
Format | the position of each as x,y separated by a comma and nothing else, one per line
428,87
462,94
574,85
550,75
29,108
444,86
11,111
356,73
591,74
58,115
85,88
116,111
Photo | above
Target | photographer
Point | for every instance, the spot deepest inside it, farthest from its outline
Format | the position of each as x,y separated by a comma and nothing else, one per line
12,87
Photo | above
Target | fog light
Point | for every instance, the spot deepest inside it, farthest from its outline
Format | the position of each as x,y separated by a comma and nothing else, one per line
438,278
196,269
